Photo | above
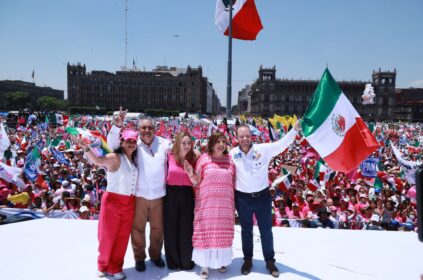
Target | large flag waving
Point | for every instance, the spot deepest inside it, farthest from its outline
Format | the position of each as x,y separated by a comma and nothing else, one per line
246,23
334,128
97,141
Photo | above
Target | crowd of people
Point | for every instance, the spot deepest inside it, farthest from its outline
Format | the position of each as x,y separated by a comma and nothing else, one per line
202,177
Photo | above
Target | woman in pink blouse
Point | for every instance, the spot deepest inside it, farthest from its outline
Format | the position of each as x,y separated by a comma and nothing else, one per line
178,205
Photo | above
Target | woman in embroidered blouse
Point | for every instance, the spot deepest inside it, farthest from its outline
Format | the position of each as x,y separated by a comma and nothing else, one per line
117,203
178,205
214,213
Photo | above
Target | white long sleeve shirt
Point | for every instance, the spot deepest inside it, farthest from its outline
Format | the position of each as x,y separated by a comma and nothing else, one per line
252,168
151,163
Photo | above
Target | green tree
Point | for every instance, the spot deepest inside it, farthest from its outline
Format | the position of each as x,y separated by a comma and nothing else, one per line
17,100
51,103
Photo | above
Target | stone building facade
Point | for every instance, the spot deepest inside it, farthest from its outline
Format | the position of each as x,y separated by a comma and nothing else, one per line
409,104
33,90
269,95
163,88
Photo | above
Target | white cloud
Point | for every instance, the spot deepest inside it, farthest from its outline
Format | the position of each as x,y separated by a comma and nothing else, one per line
417,84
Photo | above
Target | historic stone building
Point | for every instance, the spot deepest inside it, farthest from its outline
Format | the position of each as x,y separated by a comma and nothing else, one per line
269,95
34,92
384,85
164,88
409,104
244,99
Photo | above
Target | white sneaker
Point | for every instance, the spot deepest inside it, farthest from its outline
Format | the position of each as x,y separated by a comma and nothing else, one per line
119,275
101,273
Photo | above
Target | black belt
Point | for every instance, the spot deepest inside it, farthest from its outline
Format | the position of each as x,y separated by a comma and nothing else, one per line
179,188
255,194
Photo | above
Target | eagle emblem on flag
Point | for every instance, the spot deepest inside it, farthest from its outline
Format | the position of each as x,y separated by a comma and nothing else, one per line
338,124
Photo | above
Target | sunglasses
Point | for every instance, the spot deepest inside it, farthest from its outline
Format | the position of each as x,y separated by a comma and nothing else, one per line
147,128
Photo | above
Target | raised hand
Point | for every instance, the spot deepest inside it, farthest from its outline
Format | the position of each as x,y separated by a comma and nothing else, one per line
118,120
80,142
188,168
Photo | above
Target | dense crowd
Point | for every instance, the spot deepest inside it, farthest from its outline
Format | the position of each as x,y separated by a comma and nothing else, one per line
308,196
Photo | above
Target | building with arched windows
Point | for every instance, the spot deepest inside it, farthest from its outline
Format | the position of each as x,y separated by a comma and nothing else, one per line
163,88
269,95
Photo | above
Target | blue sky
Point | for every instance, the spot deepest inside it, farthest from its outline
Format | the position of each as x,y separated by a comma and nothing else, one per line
300,37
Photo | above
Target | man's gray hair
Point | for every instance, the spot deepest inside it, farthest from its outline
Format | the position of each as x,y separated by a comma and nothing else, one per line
146,118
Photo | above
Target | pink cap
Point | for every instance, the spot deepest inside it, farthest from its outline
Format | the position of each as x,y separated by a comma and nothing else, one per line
4,192
130,134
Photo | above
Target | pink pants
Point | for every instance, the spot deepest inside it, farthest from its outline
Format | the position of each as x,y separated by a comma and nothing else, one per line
114,228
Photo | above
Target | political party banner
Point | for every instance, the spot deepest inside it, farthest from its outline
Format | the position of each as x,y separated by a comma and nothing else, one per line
369,167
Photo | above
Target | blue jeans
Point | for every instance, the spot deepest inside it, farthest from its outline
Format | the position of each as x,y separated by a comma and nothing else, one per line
261,206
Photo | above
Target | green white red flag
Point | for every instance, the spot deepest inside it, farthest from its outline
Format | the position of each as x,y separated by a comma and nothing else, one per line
334,128
284,181
97,141
246,23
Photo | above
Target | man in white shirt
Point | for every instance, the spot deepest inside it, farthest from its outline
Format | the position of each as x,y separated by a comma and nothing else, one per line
151,161
253,195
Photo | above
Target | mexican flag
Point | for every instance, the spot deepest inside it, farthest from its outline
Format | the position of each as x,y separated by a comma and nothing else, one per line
334,128
284,181
246,23
97,140
313,185
56,118
323,173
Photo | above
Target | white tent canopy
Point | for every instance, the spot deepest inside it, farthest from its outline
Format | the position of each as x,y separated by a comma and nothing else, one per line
130,115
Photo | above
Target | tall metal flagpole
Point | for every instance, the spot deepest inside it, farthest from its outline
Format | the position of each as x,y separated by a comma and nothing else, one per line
229,86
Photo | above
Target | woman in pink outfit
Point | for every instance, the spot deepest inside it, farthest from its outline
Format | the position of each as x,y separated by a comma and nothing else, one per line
117,203
178,205
214,213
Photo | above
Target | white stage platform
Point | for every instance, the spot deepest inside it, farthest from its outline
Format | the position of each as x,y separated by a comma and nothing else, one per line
67,249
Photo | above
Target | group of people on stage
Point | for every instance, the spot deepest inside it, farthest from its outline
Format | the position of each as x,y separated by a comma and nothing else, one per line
188,198
188,194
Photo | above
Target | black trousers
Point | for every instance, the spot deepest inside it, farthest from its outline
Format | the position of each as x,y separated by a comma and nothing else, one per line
178,211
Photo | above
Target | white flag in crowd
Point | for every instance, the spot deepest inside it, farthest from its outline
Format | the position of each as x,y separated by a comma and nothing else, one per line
11,175
409,167
4,141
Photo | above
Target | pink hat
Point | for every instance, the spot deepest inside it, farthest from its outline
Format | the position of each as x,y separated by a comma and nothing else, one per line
130,134
411,192
4,193
351,208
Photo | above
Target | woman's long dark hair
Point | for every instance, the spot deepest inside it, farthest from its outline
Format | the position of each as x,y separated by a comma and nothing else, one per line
120,151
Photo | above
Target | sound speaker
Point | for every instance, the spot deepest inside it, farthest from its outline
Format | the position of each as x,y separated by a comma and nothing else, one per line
419,199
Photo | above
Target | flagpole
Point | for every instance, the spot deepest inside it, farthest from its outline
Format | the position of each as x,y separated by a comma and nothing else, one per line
229,86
